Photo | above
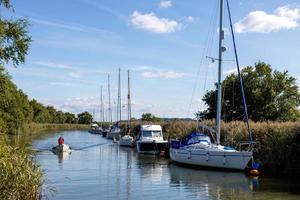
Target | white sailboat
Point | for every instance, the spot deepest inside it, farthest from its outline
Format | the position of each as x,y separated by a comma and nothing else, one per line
115,132
197,148
127,140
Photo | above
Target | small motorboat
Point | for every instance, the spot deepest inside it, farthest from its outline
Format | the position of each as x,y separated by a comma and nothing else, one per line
127,141
63,148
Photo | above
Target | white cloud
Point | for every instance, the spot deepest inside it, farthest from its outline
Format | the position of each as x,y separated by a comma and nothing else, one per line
190,19
166,74
285,17
152,23
53,65
71,27
165,4
66,84
75,74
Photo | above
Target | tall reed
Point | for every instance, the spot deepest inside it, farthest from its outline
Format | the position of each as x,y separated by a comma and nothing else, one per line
20,176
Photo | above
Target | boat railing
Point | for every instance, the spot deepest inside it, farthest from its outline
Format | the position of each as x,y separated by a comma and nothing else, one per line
248,145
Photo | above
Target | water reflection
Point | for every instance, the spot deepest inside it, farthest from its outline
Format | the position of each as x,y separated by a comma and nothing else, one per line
62,156
151,167
212,184
100,169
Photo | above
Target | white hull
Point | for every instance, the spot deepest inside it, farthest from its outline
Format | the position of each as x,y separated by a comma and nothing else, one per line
237,160
126,141
61,149
112,135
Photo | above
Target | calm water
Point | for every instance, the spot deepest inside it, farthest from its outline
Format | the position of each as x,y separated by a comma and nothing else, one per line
100,169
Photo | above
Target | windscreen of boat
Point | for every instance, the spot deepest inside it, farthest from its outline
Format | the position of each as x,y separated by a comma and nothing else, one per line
151,133
197,139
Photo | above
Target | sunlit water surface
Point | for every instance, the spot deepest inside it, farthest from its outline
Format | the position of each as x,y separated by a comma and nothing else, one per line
100,169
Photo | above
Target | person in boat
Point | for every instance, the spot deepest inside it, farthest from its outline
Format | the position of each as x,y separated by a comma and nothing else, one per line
61,140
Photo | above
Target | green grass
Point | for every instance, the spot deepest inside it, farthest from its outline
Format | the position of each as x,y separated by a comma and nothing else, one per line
20,176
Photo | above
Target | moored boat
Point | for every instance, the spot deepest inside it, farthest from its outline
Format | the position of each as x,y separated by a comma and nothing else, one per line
150,140
197,148
127,140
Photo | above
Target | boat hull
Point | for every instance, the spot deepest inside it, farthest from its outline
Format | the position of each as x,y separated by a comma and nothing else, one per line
127,141
236,160
112,135
61,149
149,147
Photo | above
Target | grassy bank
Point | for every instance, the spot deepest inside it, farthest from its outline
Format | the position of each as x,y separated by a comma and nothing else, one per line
279,142
20,176
35,128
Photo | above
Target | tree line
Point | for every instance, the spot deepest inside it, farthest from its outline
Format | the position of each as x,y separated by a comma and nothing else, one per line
16,109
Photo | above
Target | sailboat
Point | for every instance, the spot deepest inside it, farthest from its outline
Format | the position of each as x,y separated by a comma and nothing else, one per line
197,148
108,117
115,132
127,140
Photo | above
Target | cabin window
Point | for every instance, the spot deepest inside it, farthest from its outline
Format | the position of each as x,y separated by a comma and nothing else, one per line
147,133
151,133
156,133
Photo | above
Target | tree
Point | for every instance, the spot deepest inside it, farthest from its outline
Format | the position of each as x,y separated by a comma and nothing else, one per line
15,109
149,117
14,41
70,118
85,118
270,95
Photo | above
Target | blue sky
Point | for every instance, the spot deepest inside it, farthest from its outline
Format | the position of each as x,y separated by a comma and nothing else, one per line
76,43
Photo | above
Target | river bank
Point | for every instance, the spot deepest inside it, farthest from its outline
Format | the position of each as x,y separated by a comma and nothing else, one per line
20,176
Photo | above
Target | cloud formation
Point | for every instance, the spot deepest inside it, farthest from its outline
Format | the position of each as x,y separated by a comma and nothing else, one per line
166,74
285,17
165,4
150,22
53,65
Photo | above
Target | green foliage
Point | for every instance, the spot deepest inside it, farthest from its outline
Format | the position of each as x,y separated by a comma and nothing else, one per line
150,117
270,95
14,41
85,118
20,177
16,110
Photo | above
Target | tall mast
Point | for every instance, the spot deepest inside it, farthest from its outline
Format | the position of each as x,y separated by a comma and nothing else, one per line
129,101
109,104
119,96
219,84
101,105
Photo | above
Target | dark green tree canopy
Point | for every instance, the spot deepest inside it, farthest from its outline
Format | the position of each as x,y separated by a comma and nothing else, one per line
149,117
85,118
270,95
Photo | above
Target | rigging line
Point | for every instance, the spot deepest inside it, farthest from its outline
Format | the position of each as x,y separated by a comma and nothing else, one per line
207,41
209,49
239,73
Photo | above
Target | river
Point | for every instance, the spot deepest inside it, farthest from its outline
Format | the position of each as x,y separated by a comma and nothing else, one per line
100,169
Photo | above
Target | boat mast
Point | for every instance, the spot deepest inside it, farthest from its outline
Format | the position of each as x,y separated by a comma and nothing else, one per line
129,102
119,96
101,106
109,104
219,84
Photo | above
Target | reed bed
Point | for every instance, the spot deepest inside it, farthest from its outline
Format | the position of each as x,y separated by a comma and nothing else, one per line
36,128
20,176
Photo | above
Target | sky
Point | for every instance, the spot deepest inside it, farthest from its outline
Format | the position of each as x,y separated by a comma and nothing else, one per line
164,44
